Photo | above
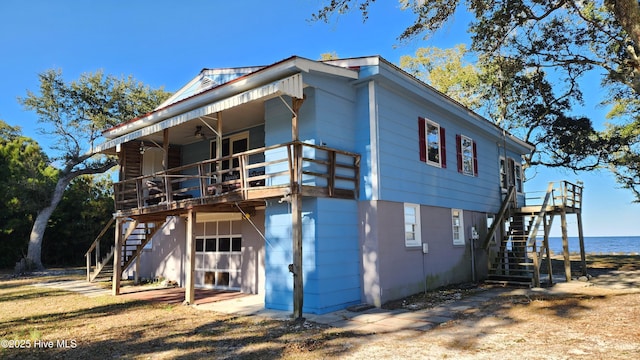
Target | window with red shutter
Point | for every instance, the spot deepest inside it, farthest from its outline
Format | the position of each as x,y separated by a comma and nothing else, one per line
432,143
443,148
467,155
422,139
475,159
459,159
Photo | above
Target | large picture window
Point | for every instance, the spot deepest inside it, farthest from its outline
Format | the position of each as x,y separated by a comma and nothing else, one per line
412,236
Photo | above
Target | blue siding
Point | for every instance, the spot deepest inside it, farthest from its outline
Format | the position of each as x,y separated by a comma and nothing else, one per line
363,142
330,253
404,178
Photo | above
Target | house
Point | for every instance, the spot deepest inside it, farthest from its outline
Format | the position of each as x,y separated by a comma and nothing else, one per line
318,184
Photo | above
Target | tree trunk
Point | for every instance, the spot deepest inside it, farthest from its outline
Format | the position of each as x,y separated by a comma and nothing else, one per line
34,252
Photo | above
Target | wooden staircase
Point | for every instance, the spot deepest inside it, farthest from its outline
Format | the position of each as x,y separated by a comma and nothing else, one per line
525,236
135,236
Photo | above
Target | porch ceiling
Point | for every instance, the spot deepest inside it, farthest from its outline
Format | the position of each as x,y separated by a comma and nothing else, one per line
236,118
238,112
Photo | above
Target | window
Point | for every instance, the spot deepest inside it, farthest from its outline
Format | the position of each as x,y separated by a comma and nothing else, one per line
511,174
432,143
231,145
517,175
458,226
467,155
503,174
219,244
412,235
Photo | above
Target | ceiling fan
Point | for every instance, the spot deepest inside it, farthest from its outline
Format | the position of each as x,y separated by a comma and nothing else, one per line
199,134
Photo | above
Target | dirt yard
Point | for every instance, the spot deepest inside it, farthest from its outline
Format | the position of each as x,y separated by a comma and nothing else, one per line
580,320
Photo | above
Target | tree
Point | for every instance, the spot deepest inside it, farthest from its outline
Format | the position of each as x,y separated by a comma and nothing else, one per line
519,100
81,214
26,180
74,114
563,40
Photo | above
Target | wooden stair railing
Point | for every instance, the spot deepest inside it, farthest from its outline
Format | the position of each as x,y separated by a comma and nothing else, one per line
520,253
148,234
507,204
131,248
96,246
109,256
536,220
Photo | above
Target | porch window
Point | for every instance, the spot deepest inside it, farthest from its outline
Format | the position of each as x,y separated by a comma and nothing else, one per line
231,145
457,223
432,143
412,236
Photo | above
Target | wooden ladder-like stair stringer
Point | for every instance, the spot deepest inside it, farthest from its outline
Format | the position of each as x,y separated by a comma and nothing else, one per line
135,238
521,251
138,242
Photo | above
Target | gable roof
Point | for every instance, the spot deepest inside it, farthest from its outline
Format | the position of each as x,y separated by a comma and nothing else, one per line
214,90
281,78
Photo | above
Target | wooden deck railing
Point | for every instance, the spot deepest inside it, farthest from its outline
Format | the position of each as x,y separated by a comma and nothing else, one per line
325,172
560,194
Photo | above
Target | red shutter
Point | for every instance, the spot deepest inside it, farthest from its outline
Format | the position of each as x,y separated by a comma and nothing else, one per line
475,159
443,148
422,134
459,152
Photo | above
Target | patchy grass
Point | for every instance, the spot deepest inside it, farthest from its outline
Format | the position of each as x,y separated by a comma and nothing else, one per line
112,327
578,322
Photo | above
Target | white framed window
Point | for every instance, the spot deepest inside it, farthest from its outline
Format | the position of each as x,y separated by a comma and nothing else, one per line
503,173
466,145
517,175
457,224
434,148
412,236
511,174
432,140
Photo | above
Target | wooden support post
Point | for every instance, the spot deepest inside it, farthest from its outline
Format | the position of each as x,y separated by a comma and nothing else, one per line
168,187
98,257
189,294
136,278
331,182
296,223
165,149
296,214
583,258
565,245
547,229
117,259
219,149
89,267
536,266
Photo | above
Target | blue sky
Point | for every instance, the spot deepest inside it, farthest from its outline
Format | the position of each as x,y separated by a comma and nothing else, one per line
166,43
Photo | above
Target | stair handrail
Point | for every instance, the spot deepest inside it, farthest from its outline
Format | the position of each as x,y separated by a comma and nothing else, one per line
99,237
540,215
148,237
504,208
